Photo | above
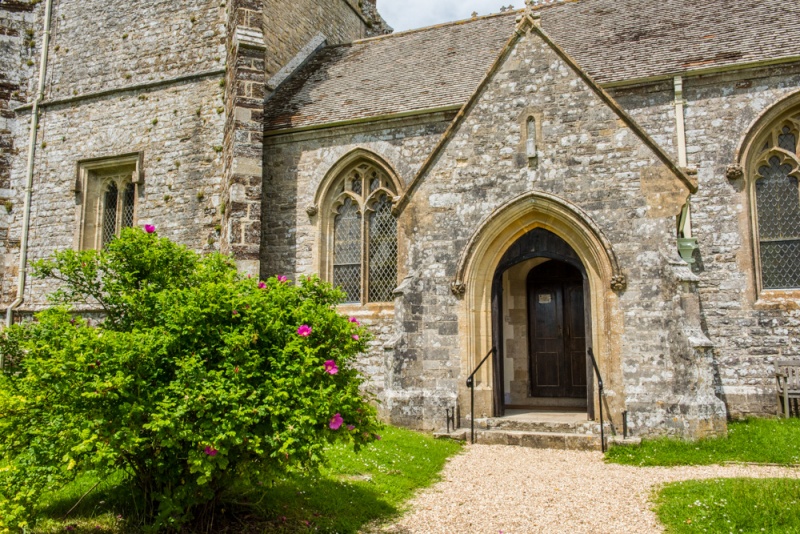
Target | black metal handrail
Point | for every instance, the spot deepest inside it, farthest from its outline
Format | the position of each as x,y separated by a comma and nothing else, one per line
600,390
471,386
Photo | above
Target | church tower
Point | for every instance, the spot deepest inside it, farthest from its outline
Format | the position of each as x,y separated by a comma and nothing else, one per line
150,113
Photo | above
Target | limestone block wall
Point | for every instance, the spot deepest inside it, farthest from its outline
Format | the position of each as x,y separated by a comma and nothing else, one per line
105,44
748,334
290,25
590,160
17,51
295,167
179,132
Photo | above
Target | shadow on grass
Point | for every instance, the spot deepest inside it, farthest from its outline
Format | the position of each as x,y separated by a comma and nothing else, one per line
317,503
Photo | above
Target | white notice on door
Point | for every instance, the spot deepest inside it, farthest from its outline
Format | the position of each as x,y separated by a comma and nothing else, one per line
545,298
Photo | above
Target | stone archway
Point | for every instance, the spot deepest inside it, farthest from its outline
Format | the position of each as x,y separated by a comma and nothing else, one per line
476,273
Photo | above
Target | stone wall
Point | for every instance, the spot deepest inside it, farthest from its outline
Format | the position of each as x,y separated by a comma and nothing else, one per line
179,132
748,334
586,152
290,25
263,36
296,166
16,65
107,44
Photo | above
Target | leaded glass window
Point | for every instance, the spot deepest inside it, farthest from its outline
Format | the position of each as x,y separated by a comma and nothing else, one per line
364,252
777,202
382,251
347,250
110,213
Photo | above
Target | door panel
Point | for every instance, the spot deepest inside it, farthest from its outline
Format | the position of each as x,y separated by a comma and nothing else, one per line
576,337
557,332
547,340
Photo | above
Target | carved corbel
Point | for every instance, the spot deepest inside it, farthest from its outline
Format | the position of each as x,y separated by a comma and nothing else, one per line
619,282
312,210
734,172
458,288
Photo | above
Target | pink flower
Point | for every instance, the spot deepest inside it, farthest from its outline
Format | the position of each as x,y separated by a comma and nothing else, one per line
331,368
377,437
355,336
149,228
336,422
282,279
304,331
211,451
351,427
262,285
354,320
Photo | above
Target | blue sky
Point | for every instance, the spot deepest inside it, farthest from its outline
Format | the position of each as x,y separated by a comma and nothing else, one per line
406,14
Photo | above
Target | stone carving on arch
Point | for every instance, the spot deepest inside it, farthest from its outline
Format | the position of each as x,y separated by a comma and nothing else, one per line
770,150
553,212
497,233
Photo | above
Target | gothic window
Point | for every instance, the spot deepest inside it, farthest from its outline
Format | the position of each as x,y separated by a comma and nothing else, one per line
364,235
777,207
108,193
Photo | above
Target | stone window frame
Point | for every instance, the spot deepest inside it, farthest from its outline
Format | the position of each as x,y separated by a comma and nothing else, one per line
763,147
123,170
330,198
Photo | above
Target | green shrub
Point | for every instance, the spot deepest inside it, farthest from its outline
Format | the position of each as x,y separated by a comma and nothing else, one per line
196,377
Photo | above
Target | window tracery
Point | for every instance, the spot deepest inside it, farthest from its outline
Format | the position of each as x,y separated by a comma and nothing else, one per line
777,206
363,255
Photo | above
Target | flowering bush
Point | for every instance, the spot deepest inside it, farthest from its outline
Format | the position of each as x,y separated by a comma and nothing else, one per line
196,376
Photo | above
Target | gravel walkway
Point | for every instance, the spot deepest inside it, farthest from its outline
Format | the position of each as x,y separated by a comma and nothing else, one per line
493,489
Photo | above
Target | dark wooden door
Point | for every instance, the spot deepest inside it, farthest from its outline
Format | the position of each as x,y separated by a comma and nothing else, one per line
556,331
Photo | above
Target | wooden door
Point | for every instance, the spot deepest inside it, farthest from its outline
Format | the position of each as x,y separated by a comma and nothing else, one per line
556,332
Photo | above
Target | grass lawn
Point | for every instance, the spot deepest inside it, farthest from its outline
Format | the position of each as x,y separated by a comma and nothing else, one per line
354,490
775,441
730,505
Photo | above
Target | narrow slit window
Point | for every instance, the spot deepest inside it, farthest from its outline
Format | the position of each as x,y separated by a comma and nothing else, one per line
530,146
110,213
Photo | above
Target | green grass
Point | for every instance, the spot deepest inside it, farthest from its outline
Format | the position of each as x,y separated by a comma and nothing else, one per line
351,492
730,505
775,441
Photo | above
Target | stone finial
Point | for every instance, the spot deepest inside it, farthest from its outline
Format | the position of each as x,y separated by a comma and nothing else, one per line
312,210
619,282
734,172
458,288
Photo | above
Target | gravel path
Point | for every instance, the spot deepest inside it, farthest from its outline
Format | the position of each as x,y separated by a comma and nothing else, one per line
493,489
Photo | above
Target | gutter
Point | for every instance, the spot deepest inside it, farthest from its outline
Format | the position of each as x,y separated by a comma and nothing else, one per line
700,72
26,219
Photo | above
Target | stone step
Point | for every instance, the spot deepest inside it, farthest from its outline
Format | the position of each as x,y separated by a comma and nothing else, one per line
534,440
562,427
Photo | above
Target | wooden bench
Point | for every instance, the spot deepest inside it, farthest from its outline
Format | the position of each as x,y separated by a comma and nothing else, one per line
787,373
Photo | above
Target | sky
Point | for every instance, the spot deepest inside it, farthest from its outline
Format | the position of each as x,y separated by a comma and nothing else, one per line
407,14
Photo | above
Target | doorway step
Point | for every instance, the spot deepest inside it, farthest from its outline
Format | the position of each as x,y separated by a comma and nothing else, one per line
537,429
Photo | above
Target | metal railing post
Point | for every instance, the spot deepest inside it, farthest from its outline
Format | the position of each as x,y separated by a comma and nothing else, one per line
600,392
471,386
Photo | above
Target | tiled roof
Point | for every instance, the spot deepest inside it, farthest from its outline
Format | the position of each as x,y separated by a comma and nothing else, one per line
613,40
421,69
617,40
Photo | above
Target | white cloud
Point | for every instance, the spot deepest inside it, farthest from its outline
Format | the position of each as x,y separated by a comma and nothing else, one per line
406,14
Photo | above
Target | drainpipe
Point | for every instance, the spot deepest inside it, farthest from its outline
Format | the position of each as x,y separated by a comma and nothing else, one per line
26,218
686,243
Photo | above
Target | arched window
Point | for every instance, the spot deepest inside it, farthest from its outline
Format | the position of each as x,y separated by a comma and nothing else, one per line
777,206
363,254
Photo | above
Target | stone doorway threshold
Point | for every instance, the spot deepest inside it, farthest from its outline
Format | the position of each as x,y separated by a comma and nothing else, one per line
545,415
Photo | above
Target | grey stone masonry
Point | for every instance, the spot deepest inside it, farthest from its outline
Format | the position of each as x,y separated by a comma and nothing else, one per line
748,334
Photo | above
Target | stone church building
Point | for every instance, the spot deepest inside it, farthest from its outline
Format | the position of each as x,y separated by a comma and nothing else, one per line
613,175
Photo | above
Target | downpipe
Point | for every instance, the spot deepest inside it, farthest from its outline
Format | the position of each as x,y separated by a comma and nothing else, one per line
26,218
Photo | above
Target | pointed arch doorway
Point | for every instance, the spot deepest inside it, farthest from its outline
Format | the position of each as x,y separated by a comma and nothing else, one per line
541,328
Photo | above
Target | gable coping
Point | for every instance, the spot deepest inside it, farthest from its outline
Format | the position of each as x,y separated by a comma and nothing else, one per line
532,20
